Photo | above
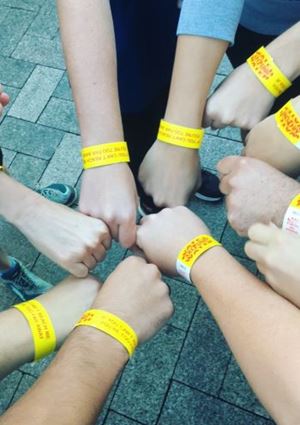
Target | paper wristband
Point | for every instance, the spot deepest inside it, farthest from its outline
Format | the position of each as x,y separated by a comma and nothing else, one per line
191,252
111,325
268,73
291,221
179,135
42,329
288,122
105,154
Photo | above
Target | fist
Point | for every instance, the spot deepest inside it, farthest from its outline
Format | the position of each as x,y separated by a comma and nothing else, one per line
163,235
135,293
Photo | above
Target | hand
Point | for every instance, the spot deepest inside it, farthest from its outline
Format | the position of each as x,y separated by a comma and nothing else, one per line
170,174
70,239
109,193
266,142
255,192
162,236
277,255
4,100
240,101
135,293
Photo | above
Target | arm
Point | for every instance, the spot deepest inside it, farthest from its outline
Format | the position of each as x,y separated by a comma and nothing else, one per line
65,303
255,192
267,143
89,46
241,100
85,369
248,312
204,32
79,241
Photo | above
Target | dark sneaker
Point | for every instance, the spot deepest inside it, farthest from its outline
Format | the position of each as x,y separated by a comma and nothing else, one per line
60,193
209,190
25,284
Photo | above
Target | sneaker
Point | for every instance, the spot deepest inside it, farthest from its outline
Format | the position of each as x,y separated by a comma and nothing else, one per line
60,193
209,191
25,284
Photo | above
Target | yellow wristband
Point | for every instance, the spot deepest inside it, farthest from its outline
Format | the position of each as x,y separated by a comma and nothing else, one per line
42,329
291,221
191,252
268,73
179,135
111,325
288,122
105,154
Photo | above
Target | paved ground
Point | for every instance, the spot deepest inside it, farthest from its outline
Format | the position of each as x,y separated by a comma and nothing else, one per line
186,375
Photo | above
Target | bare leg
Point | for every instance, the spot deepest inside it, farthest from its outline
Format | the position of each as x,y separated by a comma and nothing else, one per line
4,261
64,303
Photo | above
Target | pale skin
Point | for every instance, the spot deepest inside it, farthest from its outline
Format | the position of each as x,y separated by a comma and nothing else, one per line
266,142
87,33
65,303
171,174
276,253
84,370
254,192
241,100
248,312
78,242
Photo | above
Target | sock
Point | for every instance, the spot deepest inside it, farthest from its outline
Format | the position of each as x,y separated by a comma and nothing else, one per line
13,270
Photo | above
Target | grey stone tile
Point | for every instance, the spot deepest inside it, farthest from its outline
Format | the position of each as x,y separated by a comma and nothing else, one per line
16,244
13,28
8,156
205,355
36,93
26,382
233,242
65,165
185,298
13,93
48,270
7,298
225,67
104,411
186,406
113,258
14,72
27,169
231,133
29,138
146,378
3,12
23,4
41,51
236,390
213,214
46,22
60,114
63,90
116,419
8,386
215,148
37,368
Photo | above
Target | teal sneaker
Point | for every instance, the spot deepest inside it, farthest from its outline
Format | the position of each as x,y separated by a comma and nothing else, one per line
25,284
60,193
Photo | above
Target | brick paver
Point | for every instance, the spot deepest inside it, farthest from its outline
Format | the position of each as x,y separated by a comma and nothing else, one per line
186,375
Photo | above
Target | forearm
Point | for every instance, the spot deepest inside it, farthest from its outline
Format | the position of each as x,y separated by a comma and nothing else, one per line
89,46
196,62
283,49
15,198
79,380
262,329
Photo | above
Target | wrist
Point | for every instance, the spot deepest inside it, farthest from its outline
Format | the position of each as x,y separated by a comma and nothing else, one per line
284,201
205,264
